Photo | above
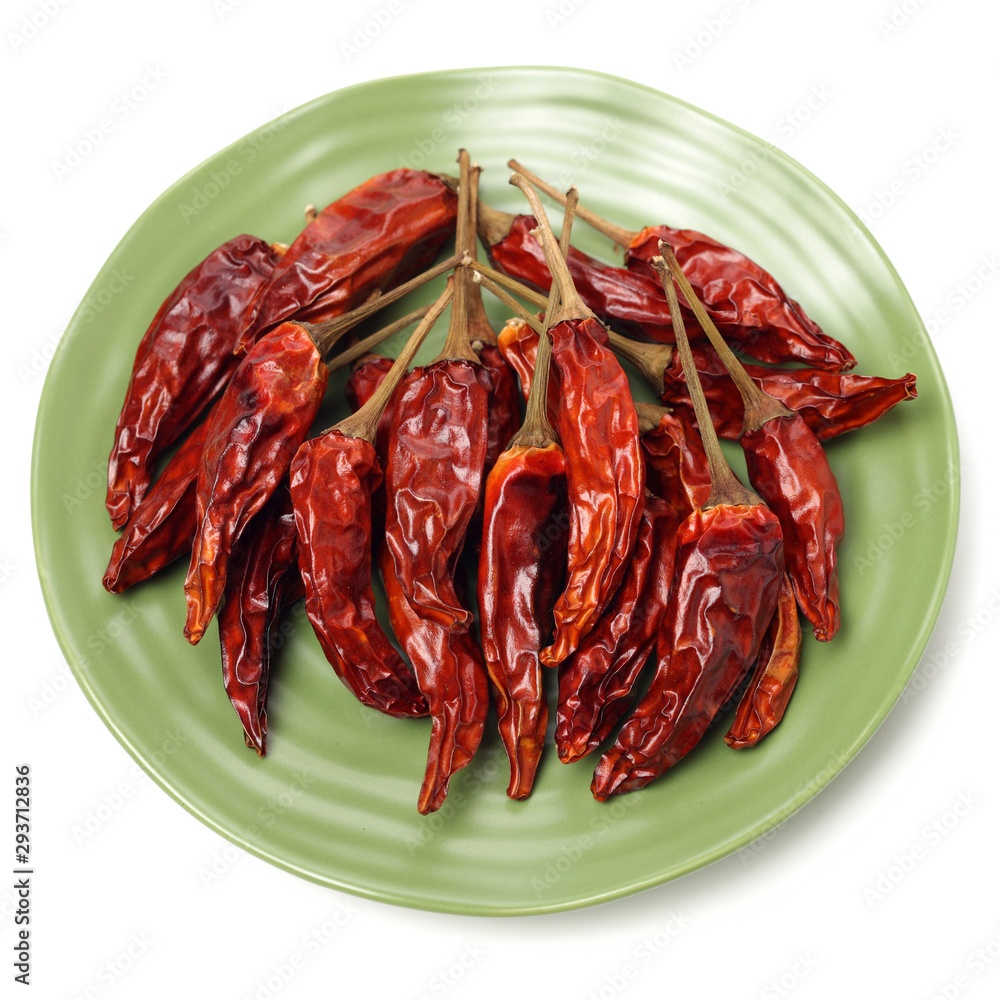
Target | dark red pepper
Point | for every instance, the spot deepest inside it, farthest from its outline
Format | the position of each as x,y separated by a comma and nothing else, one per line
374,237
183,360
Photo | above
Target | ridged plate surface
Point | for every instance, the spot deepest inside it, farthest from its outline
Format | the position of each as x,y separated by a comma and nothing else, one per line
334,800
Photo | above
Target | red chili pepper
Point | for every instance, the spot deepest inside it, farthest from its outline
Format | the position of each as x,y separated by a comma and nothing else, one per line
163,524
734,290
605,476
333,480
596,683
767,695
728,573
253,432
787,466
521,565
386,229
183,360
361,386
677,468
262,578
831,403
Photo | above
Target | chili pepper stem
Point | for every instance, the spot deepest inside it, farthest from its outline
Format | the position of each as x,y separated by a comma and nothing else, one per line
759,407
618,234
364,422
570,304
649,415
363,347
457,345
326,335
480,328
652,360
492,225
726,488
496,278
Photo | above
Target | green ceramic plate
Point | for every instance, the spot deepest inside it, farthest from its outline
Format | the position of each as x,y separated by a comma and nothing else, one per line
334,800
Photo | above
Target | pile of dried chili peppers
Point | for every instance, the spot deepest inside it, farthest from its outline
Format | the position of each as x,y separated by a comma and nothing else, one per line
604,532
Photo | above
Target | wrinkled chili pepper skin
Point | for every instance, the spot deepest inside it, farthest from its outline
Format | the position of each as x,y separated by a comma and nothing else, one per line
360,387
383,232
333,478
183,360
831,403
596,683
633,303
254,430
605,477
505,407
767,695
521,562
261,579
726,582
736,291
676,465
787,466
433,479
163,523
518,344
452,675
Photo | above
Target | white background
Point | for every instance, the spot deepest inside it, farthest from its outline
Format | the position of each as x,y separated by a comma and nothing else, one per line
885,884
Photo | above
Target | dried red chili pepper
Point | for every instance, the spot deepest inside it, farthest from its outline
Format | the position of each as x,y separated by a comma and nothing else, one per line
253,432
433,480
360,387
767,695
605,476
596,683
734,290
728,572
262,577
386,229
183,360
786,464
831,403
162,525
677,467
521,564
333,480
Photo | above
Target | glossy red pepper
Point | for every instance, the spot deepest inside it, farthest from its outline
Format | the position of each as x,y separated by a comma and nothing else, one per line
334,478
521,566
729,566
735,291
677,468
767,695
787,466
183,360
385,230
253,432
597,682
163,524
262,577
